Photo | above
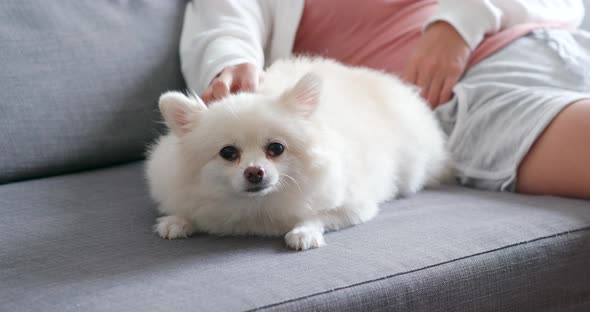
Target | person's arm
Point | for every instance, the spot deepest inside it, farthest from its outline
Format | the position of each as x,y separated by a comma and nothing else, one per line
473,19
223,40
459,26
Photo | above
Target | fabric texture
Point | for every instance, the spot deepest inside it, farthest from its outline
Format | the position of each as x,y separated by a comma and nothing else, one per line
476,19
495,117
80,81
383,34
220,33
84,242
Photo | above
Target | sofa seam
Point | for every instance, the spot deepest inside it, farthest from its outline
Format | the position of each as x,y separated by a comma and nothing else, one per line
272,305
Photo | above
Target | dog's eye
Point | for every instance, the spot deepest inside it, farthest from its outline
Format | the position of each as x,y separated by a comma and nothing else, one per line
275,149
229,153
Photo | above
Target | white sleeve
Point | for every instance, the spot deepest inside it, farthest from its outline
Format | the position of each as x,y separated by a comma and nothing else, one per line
473,19
220,33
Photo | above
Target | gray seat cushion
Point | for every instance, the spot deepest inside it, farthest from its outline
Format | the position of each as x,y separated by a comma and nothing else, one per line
83,242
80,79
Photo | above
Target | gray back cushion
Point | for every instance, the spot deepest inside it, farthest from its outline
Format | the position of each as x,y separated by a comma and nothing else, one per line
586,22
79,81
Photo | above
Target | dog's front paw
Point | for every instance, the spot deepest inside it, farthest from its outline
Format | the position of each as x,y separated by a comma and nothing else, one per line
172,227
303,238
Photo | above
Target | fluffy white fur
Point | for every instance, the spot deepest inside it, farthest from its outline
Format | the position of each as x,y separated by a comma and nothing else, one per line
353,138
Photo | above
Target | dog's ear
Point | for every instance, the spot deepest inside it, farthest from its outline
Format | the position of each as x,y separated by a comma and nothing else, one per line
304,97
180,112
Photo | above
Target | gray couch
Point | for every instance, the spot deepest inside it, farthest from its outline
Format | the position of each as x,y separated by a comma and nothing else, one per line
79,81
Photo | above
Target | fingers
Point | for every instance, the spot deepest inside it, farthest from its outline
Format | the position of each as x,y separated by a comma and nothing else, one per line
233,79
221,85
245,84
434,91
447,91
439,60
421,76
247,78
207,96
423,82
435,82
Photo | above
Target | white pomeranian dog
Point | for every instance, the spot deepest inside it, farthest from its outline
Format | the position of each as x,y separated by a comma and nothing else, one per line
316,148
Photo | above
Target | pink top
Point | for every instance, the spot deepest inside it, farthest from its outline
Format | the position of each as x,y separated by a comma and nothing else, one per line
380,34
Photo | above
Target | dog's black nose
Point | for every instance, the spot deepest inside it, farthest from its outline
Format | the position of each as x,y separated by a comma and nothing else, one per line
254,174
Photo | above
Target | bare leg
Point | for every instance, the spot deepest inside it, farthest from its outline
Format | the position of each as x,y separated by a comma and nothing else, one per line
559,161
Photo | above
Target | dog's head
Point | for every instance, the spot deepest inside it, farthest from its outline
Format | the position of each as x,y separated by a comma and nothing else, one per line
246,144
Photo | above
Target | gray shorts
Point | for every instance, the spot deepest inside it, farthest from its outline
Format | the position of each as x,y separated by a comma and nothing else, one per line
503,104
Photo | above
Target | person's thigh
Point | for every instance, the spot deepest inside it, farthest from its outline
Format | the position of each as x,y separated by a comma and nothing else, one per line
558,163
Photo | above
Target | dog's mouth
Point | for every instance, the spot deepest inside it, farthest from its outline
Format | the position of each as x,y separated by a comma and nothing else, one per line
258,190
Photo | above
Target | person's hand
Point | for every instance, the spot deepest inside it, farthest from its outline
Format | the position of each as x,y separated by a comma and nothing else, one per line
242,77
438,62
